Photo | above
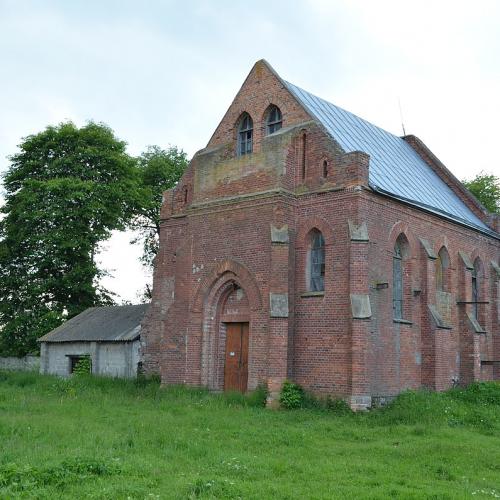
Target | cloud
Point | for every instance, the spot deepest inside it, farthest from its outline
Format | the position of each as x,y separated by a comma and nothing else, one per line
164,72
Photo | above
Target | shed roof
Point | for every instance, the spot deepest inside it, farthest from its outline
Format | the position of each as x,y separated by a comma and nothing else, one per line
395,167
101,324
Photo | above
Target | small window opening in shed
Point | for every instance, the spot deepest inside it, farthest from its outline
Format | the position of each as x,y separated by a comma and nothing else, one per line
80,364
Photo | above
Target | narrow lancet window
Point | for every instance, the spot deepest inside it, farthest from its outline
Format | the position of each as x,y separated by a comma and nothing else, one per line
397,281
317,262
476,288
325,169
303,159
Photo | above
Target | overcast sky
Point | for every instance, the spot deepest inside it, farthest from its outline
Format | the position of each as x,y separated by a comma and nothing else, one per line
164,72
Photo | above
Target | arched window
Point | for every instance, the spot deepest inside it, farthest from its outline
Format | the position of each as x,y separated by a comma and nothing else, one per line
245,135
397,281
316,262
274,119
442,265
325,169
476,287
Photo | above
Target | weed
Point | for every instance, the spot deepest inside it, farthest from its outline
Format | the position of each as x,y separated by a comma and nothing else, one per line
26,477
292,395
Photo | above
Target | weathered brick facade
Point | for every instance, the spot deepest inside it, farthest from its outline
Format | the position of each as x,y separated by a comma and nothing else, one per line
235,246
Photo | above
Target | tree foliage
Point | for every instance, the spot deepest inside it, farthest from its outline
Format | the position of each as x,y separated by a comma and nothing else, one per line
65,191
486,188
158,170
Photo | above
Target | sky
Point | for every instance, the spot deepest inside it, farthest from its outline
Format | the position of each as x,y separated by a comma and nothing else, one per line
164,72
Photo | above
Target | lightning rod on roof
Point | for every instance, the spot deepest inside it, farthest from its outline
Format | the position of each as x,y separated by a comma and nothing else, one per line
401,116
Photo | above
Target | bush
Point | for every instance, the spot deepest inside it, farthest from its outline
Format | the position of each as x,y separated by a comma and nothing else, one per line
479,393
291,396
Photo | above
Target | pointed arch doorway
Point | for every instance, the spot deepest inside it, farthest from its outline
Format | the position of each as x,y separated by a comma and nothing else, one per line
226,338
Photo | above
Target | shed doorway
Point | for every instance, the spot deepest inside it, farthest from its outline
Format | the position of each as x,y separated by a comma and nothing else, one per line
236,359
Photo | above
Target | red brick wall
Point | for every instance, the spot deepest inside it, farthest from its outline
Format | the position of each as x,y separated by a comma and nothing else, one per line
407,356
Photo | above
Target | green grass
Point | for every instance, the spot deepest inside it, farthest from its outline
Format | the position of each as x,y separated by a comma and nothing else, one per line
103,438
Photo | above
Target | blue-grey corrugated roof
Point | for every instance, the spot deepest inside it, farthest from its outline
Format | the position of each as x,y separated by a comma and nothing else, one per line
395,167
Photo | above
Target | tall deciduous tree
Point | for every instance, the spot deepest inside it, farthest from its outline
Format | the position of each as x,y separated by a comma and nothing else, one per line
159,170
66,189
486,188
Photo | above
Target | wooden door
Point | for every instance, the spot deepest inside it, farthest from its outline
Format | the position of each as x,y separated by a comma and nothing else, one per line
236,363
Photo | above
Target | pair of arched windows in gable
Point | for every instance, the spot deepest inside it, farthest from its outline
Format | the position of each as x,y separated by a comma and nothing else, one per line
273,122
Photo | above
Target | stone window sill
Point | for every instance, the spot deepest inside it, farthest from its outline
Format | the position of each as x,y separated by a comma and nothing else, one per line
312,294
402,321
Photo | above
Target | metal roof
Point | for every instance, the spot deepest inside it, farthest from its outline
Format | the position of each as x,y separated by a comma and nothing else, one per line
396,169
101,324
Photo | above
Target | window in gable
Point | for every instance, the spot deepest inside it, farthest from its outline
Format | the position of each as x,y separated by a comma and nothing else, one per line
274,119
245,135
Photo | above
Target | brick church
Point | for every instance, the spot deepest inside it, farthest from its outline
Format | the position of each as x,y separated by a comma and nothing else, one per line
305,243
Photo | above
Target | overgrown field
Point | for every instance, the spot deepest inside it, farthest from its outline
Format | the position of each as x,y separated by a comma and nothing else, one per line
99,438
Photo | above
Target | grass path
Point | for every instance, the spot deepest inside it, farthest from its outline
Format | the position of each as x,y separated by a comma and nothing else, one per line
98,438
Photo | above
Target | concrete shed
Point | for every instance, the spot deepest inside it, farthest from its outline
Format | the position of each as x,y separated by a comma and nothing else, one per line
109,336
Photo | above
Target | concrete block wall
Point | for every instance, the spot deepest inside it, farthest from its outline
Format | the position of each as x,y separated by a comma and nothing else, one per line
114,359
27,363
